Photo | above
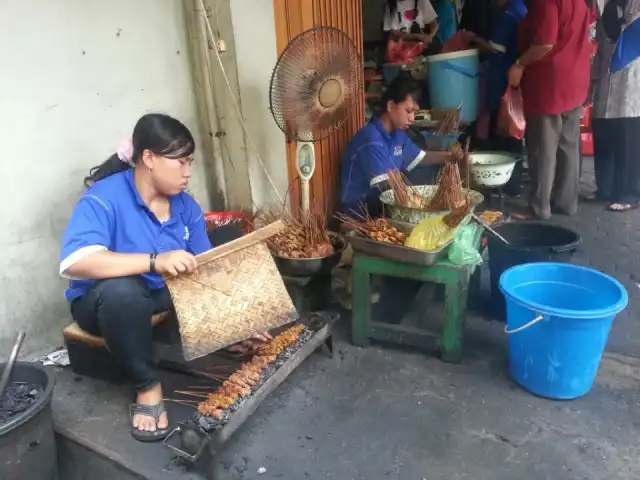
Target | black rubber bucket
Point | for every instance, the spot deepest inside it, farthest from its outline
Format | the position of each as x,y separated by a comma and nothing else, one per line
528,242
27,440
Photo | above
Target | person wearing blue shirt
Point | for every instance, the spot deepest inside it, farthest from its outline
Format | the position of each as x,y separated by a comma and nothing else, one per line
132,226
380,146
502,52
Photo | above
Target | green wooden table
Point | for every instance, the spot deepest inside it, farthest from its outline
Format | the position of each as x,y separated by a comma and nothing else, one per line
454,277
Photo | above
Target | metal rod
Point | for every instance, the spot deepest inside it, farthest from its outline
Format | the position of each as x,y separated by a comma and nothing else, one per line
6,374
488,227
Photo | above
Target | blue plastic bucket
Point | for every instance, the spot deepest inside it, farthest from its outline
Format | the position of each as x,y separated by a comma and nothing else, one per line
453,82
558,320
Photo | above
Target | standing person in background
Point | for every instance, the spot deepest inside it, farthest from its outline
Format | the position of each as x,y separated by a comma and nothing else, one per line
477,17
412,20
447,19
554,71
502,52
621,22
600,125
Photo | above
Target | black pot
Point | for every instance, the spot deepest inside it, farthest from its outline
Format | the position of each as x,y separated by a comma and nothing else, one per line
304,267
27,440
528,242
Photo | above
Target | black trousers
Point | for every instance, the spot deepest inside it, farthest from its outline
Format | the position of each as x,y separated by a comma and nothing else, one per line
603,163
120,310
626,165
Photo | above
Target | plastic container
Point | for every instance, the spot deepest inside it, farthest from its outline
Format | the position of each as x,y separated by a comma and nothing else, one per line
27,440
438,143
528,242
453,81
558,320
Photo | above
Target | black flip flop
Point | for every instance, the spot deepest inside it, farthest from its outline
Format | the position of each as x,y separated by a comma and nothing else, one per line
626,207
153,411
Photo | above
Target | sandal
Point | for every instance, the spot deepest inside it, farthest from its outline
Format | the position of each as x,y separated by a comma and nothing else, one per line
149,411
622,207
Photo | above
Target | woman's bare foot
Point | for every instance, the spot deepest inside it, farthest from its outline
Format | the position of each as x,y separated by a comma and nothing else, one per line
146,423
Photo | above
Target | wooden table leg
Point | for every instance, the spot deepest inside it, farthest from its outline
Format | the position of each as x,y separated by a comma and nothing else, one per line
455,310
361,315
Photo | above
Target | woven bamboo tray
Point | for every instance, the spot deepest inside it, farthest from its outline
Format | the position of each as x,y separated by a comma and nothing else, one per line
236,292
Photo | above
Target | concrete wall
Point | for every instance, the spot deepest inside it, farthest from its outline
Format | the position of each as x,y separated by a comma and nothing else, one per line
256,51
75,76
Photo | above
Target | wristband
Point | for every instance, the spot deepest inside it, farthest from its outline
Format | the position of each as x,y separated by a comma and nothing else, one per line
519,64
152,262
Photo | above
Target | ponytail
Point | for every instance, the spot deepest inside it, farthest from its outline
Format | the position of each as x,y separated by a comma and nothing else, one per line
111,166
160,134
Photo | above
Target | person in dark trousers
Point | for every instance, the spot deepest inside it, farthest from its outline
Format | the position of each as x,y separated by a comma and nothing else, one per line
601,126
621,22
132,226
553,71
501,50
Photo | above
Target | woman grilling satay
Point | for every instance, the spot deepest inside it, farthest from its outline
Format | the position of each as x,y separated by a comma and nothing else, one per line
132,226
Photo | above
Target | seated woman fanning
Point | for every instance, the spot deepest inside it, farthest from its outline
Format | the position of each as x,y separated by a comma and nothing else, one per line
412,21
132,226
380,146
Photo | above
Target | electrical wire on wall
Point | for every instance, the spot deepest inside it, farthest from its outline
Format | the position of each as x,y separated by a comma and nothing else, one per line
234,100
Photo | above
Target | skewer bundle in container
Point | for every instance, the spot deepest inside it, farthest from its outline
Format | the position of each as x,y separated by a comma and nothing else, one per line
449,193
237,291
403,192
303,237
379,229
450,123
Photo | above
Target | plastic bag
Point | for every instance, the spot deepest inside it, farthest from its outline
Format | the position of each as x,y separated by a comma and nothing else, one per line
511,122
463,250
429,235
399,51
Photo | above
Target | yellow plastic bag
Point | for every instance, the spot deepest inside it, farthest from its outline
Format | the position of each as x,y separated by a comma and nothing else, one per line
430,234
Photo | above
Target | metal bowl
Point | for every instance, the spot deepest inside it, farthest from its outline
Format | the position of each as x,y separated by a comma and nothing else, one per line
492,169
412,215
297,267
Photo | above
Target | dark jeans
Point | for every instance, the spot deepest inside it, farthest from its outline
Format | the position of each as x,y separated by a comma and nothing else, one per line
626,145
603,163
120,310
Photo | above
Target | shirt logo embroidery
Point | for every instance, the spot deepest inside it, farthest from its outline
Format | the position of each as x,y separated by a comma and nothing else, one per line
186,233
397,150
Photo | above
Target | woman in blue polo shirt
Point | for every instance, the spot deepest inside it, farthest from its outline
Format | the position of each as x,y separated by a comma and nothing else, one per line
132,226
383,145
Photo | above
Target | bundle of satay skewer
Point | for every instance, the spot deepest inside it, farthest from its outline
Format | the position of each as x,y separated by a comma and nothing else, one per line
303,237
450,124
378,229
240,384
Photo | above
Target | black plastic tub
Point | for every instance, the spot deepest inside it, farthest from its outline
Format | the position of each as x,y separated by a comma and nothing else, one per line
528,242
27,440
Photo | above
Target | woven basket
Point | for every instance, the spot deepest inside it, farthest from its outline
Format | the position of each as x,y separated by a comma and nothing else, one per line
236,292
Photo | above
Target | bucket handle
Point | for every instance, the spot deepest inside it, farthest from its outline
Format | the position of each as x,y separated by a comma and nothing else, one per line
538,319
459,69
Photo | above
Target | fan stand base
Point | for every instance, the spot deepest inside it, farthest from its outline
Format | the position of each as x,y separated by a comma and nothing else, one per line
309,293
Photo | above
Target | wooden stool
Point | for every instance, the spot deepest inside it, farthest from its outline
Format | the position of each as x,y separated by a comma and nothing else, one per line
455,278
90,356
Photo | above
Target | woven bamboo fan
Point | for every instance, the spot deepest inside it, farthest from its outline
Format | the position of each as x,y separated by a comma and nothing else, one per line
236,292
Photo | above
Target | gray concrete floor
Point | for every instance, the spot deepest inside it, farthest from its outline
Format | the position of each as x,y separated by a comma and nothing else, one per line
386,413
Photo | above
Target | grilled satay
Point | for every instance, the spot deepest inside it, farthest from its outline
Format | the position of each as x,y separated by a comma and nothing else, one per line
210,410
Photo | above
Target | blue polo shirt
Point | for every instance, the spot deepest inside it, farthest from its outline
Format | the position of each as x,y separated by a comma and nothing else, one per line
112,216
370,154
